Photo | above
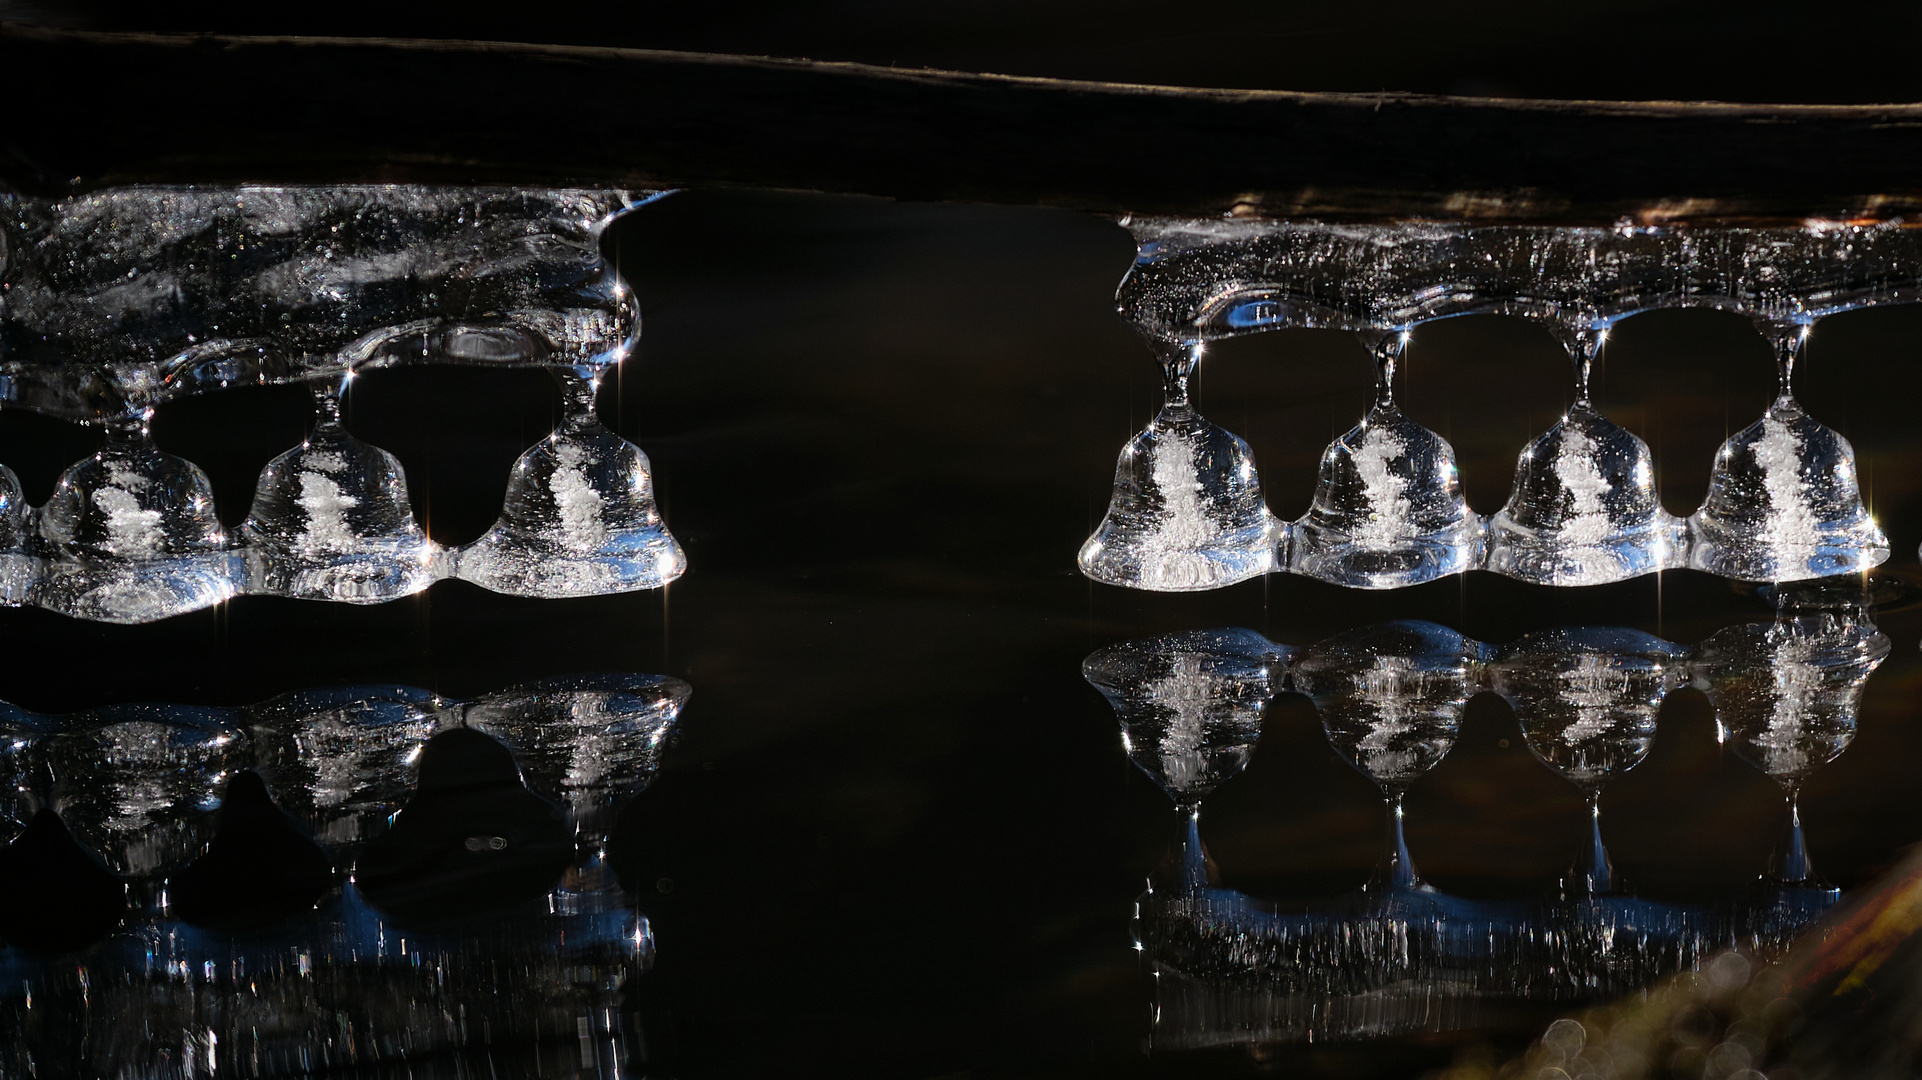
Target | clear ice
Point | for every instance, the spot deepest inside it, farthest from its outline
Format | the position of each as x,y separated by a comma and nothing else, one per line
133,535
331,521
1783,500
579,518
126,298
1187,511
1388,509
1584,510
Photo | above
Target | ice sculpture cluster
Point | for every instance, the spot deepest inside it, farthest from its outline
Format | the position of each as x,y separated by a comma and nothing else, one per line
1784,502
117,301
1399,956
192,853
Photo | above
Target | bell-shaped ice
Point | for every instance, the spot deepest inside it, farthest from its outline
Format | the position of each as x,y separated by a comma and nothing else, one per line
1584,510
135,536
579,518
1783,500
1187,511
1388,509
331,521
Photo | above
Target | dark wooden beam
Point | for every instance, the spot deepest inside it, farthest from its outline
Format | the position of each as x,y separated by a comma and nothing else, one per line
93,109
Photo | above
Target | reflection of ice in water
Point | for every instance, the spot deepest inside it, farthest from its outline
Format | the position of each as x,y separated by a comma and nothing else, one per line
1388,690
586,738
135,782
348,757
1190,704
1390,694
342,757
1591,689
1587,697
1788,693
1188,692
1797,679
1384,492
1788,690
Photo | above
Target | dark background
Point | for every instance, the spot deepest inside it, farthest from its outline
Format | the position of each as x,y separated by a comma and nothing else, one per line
1770,51
898,835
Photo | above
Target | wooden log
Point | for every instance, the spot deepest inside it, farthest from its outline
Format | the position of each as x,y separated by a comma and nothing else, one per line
94,109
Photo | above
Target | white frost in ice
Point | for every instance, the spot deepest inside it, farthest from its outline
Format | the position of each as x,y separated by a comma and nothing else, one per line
1184,525
132,533
581,527
1575,467
326,505
1791,522
1384,492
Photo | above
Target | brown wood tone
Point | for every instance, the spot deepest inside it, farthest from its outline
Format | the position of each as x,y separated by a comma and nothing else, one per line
93,109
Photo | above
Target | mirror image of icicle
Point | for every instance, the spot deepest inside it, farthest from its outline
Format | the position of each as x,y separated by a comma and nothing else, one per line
1190,703
1789,694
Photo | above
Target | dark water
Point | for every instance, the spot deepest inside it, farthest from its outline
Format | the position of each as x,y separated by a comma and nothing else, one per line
898,835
